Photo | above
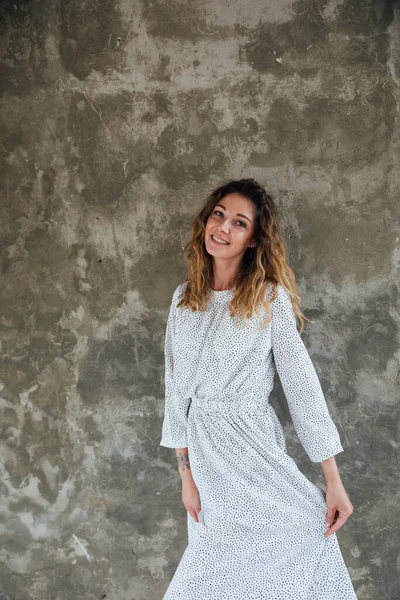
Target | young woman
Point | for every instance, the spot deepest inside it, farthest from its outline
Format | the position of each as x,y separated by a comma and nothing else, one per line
256,524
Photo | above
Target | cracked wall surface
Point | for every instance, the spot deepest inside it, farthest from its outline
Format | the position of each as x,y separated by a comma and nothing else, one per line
117,119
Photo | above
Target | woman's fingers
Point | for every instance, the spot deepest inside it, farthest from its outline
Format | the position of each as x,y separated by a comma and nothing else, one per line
330,516
340,521
194,512
194,515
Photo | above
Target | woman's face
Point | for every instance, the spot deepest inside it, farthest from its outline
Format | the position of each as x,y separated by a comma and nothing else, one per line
232,221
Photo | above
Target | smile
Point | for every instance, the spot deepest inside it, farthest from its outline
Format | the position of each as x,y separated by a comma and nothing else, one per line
218,240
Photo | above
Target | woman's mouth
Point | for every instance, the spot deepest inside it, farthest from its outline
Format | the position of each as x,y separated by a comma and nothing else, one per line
219,241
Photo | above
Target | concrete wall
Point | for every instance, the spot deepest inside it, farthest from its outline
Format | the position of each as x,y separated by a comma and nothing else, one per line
118,117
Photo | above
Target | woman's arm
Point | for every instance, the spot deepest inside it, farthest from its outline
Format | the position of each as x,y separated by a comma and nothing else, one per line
174,427
190,493
309,411
313,424
182,456
176,405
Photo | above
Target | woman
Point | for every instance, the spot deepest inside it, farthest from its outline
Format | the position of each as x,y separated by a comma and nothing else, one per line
256,524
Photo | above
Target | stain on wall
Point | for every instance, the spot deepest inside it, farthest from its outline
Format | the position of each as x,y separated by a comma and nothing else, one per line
117,119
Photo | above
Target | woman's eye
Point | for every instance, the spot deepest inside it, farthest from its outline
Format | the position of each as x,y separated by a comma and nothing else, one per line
218,212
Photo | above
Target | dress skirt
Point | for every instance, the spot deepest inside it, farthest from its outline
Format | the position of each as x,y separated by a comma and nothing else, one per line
261,524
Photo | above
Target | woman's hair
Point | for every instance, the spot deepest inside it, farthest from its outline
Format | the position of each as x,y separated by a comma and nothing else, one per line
262,268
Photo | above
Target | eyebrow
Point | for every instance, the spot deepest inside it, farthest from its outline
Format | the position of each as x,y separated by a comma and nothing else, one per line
237,214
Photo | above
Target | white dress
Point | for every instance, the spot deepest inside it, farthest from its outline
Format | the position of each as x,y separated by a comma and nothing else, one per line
261,524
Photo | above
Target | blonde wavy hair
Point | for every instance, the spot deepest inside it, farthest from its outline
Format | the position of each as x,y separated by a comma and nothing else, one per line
263,267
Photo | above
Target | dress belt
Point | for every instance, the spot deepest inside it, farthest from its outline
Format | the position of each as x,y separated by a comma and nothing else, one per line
229,403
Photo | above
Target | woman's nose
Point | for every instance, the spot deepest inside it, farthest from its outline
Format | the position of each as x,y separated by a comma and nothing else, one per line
225,226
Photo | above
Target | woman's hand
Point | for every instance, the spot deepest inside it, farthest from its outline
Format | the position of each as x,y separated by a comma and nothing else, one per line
337,501
191,498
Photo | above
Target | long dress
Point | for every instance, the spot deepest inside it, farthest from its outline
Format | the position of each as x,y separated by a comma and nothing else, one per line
261,524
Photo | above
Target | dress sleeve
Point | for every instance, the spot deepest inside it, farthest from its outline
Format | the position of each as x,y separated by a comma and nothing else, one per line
306,402
176,407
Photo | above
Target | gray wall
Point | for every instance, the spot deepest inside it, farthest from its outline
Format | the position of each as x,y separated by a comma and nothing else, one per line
117,119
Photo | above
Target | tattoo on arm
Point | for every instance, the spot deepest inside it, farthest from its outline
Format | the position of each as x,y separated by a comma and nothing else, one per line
183,460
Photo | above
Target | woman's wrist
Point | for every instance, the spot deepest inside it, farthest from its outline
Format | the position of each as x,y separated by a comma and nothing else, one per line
330,470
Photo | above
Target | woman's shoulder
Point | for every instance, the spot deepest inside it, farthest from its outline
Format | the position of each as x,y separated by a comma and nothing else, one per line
281,301
282,305
277,293
178,292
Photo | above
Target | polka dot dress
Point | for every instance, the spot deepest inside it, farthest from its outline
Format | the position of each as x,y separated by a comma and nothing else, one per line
261,524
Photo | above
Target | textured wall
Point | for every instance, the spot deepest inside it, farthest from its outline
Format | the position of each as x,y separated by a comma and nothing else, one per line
118,117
